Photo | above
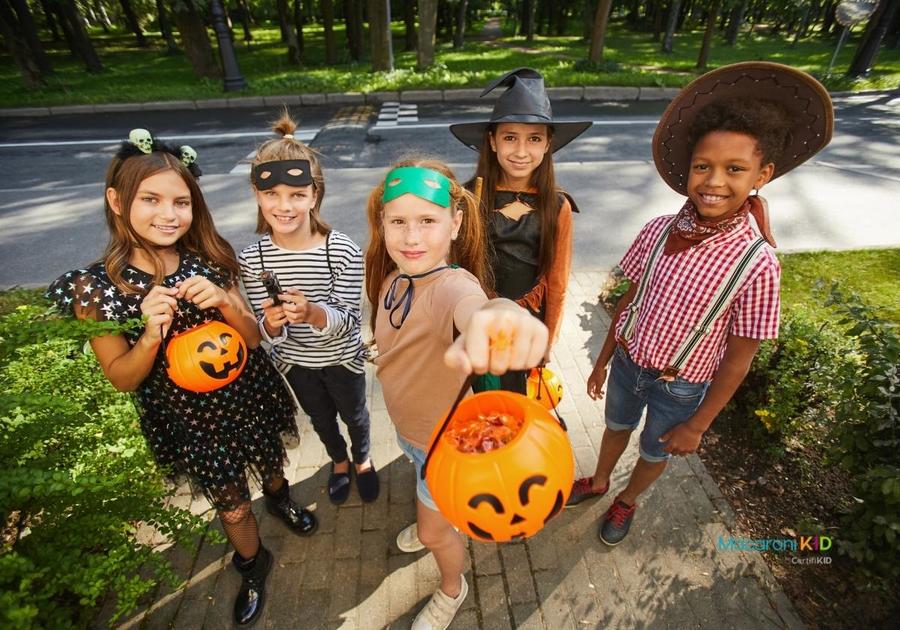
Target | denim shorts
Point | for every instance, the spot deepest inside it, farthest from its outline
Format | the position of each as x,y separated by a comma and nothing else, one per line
631,389
417,457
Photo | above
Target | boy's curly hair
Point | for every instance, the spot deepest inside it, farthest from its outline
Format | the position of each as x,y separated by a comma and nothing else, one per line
767,121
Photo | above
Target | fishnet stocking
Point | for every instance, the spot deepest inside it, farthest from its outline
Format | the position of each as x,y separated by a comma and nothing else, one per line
241,529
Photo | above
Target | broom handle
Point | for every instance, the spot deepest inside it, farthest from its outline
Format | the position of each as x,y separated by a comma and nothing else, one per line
479,184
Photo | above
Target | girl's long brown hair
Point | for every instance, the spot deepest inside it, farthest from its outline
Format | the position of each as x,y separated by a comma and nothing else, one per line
468,250
291,149
542,179
125,177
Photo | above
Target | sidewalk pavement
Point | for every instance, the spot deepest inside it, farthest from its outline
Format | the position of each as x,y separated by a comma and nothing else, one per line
598,93
666,574
572,93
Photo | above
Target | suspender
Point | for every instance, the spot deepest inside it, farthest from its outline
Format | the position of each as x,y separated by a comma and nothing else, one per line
721,302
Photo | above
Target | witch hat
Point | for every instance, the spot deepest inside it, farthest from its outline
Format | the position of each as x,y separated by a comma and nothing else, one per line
524,101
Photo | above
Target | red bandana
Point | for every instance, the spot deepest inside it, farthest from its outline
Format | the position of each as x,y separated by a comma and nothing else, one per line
690,228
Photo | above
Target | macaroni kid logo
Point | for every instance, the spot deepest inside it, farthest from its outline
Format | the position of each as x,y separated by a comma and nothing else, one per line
808,549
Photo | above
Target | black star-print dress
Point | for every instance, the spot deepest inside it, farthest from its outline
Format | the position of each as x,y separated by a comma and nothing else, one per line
211,437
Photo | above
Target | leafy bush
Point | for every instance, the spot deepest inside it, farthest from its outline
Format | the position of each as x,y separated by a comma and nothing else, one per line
867,428
792,385
76,480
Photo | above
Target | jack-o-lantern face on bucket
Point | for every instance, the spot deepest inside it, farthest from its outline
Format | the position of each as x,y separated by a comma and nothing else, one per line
511,492
207,357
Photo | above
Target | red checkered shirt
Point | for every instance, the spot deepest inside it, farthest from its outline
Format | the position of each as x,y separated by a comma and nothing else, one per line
682,286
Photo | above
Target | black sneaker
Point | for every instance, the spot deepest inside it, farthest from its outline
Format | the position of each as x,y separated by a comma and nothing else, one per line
582,491
616,523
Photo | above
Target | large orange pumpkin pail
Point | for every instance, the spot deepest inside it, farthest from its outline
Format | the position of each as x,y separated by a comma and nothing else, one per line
505,494
206,357
544,387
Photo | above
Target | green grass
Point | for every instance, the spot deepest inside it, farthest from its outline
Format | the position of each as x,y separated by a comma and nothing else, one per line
872,273
632,59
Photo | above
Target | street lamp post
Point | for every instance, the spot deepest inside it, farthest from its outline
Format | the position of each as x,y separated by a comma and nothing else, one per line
233,79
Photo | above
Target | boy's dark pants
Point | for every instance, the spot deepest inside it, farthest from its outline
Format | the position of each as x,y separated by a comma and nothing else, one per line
325,392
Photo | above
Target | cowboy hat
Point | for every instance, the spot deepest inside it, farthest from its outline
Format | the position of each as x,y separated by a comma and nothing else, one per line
799,93
524,101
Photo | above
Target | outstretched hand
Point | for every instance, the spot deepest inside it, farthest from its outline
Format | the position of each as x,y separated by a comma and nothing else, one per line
499,338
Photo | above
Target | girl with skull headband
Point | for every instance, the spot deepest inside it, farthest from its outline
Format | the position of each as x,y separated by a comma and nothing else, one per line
166,262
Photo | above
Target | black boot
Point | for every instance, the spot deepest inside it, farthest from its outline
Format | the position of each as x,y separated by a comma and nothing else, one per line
280,504
252,596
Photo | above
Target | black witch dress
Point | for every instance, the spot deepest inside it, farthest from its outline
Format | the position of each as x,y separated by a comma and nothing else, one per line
213,437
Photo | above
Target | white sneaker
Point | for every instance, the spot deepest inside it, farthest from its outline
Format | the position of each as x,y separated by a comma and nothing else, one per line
408,539
440,609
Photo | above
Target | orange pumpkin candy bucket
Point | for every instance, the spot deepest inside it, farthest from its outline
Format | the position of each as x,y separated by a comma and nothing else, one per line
499,467
206,357
544,387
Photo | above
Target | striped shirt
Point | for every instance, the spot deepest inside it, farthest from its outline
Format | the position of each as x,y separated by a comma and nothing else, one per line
337,290
681,288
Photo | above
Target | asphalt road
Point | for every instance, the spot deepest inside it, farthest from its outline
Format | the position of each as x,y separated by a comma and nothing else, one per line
52,168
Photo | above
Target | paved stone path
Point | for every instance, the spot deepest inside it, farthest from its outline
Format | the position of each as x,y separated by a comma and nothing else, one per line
666,574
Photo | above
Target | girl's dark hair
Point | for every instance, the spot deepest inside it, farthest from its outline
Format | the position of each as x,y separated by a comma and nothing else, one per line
283,148
542,179
125,177
767,121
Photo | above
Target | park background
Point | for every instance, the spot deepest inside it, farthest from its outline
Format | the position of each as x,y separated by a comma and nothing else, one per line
809,445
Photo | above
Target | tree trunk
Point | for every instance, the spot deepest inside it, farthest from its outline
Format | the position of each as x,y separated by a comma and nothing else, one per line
671,23
598,36
828,20
735,20
165,28
380,35
427,24
683,14
657,20
633,16
459,33
530,10
29,33
409,22
195,41
102,16
132,23
562,18
708,35
867,52
18,47
51,21
298,26
245,17
82,46
353,21
327,7
285,21
588,7
444,28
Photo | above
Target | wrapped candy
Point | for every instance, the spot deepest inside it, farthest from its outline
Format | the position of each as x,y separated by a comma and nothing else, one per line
486,432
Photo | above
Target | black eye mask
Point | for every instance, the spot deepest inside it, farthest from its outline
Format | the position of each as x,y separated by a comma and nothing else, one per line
289,172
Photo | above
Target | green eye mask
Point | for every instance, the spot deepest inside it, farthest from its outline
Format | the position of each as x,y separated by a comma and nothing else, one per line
424,183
